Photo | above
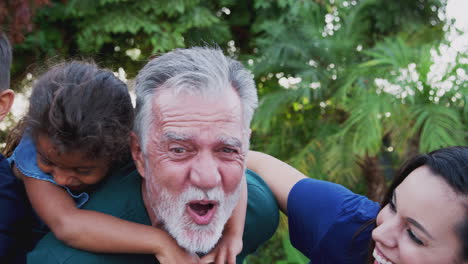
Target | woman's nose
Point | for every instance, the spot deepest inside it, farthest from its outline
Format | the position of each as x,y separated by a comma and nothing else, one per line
387,232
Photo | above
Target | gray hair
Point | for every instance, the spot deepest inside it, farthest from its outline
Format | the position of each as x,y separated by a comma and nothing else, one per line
197,70
5,62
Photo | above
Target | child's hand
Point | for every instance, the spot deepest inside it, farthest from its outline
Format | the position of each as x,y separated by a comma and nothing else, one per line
229,246
172,253
176,256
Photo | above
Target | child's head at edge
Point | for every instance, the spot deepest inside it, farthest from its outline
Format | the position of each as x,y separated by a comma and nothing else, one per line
80,118
6,95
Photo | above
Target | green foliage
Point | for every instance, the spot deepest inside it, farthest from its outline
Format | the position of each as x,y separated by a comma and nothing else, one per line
107,29
357,76
346,61
439,126
279,250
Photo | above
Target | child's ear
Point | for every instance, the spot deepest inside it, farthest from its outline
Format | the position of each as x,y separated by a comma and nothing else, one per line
6,101
137,154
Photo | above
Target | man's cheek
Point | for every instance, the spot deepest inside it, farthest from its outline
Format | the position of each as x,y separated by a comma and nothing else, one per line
233,178
172,175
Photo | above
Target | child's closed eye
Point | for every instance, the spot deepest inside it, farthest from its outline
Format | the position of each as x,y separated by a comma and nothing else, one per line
83,171
44,160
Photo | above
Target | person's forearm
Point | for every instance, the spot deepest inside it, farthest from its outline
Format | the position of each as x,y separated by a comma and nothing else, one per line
279,176
235,224
97,232
91,230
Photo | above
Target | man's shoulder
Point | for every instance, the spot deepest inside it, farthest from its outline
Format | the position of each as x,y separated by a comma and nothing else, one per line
259,193
262,215
119,194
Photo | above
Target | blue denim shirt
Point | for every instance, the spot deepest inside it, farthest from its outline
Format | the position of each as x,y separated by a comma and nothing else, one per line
24,158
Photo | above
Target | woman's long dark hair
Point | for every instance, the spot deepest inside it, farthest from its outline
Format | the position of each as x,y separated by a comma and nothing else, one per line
451,164
79,107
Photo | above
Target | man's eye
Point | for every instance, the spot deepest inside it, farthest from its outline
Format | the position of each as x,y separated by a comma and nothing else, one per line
228,150
178,150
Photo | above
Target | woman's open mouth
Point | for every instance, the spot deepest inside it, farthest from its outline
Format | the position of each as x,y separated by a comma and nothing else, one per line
379,259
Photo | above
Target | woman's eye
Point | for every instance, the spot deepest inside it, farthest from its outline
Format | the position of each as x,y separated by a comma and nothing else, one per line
392,206
414,238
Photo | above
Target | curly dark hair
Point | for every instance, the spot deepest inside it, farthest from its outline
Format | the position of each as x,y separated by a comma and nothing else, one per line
82,107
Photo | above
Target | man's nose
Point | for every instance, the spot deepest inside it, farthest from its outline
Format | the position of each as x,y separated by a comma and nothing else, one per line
204,172
388,232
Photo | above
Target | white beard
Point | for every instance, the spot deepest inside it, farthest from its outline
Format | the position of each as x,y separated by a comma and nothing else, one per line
170,210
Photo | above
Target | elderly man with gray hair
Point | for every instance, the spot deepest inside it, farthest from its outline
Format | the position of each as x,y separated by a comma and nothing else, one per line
191,137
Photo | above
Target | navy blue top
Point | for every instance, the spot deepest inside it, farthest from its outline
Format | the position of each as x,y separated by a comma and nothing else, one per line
324,218
20,228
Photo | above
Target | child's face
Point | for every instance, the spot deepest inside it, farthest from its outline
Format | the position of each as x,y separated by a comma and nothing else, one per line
72,169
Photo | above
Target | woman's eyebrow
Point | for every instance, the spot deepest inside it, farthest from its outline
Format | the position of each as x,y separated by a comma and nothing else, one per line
418,226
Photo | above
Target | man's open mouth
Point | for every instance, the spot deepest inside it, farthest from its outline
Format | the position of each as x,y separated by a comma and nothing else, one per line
202,212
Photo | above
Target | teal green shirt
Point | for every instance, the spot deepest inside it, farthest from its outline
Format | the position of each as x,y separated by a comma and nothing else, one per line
120,196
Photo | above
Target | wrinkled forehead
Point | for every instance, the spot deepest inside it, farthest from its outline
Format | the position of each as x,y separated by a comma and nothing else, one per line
217,107
208,91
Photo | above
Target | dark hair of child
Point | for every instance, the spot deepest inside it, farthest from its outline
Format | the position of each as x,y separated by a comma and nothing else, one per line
79,107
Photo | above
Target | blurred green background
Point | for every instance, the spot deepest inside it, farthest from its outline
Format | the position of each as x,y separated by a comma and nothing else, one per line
348,89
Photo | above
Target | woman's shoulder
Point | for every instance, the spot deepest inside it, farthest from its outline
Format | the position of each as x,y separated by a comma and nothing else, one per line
327,196
321,213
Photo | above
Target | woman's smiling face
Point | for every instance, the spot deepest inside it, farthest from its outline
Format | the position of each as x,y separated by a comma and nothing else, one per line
419,225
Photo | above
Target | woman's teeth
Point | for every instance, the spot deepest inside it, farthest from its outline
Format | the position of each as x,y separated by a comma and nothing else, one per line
380,259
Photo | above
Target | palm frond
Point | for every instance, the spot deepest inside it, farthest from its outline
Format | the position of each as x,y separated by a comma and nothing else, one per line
439,126
272,104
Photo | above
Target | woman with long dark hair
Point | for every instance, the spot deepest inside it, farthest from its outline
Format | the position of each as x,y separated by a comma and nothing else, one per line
422,219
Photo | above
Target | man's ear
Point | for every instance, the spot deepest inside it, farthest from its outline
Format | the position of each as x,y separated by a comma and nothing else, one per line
6,101
137,154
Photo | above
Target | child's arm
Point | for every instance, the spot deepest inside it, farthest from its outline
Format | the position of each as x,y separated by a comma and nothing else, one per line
97,232
279,176
230,244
